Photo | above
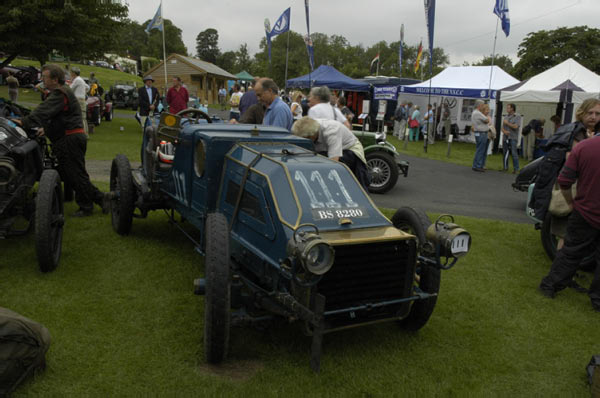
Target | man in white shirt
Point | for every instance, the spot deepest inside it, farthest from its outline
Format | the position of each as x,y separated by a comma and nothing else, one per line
340,144
320,107
234,102
80,88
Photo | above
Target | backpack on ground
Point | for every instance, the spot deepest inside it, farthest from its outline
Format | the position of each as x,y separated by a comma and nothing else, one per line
23,347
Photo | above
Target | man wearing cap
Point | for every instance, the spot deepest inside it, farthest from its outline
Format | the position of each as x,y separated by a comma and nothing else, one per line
148,97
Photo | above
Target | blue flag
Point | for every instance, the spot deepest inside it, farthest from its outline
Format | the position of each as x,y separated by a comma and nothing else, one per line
501,10
157,21
283,23
281,26
430,17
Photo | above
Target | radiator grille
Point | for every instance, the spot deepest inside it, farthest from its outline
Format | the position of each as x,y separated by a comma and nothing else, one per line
369,273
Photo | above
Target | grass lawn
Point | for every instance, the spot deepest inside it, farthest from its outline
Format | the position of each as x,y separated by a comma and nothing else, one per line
460,153
124,322
108,139
106,77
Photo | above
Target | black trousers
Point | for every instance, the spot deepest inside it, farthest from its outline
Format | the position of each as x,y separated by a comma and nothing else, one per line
70,153
357,166
580,234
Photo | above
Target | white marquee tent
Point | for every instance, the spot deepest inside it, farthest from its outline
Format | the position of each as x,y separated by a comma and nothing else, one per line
460,86
548,85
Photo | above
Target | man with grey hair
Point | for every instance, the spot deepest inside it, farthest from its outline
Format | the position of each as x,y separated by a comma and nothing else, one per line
480,126
277,112
337,142
320,108
80,88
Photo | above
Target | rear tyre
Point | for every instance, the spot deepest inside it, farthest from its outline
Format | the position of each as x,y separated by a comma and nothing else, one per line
217,301
427,278
550,244
123,203
49,220
109,116
383,171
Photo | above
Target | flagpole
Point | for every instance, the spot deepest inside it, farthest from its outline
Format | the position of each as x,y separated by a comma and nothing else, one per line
164,48
493,56
287,50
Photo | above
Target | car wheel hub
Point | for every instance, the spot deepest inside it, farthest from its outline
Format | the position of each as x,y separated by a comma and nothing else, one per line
380,172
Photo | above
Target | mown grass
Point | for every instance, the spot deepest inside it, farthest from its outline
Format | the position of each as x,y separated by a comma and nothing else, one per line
124,322
460,153
108,139
106,77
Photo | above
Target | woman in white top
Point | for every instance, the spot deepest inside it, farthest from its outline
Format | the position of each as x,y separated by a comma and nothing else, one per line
296,108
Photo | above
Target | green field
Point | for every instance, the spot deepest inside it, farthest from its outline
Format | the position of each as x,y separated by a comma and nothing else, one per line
106,77
124,321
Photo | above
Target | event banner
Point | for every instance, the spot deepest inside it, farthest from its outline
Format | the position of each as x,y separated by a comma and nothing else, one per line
385,93
448,92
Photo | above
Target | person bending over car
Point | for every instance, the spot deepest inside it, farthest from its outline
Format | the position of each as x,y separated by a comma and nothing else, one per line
59,118
337,142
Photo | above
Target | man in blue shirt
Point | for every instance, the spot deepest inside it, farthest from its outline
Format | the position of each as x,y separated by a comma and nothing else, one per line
278,113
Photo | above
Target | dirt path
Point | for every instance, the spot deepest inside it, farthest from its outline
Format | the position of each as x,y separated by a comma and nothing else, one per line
99,170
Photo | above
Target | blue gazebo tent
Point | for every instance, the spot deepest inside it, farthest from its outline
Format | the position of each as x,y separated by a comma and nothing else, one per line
328,76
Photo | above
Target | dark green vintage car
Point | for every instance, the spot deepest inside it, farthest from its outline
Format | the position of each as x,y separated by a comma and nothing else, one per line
383,161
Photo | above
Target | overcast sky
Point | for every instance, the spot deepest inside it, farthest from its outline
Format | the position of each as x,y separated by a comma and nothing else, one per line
463,28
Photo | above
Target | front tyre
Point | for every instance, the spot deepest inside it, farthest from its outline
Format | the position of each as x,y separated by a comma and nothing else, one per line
383,171
217,301
123,203
49,220
427,278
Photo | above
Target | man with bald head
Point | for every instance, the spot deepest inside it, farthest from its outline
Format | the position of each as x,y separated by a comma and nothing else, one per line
277,112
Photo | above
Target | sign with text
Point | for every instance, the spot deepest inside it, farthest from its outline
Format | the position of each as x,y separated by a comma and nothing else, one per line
385,93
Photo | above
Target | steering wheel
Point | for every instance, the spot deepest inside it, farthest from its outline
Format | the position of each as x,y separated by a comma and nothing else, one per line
197,114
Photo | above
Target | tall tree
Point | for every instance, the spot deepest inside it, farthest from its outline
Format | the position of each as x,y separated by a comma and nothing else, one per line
544,49
173,40
503,61
76,29
207,45
243,60
131,39
226,61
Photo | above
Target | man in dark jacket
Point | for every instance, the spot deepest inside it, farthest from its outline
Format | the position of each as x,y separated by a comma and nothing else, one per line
59,118
583,228
148,97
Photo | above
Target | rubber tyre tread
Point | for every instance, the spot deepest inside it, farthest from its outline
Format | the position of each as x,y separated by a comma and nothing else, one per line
217,300
416,219
122,207
394,173
430,277
549,243
109,116
49,203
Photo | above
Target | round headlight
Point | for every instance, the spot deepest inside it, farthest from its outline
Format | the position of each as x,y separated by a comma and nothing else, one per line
317,257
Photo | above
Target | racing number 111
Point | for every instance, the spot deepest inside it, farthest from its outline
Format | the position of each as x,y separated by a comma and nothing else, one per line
330,201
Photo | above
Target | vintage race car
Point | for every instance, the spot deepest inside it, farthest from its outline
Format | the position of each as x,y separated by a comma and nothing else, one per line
285,232
25,161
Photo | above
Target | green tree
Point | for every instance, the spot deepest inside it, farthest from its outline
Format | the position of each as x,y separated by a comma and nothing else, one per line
243,60
76,29
227,61
544,49
131,39
207,45
503,61
173,40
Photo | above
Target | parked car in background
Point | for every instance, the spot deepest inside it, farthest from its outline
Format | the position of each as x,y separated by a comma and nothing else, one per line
123,95
28,76
102,64
97,108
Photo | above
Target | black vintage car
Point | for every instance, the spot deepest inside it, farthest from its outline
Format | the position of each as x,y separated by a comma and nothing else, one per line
24,161
123,95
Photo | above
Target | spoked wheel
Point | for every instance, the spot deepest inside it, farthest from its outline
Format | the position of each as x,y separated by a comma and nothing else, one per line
383,171
217,300
49,220
427,278
123,204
